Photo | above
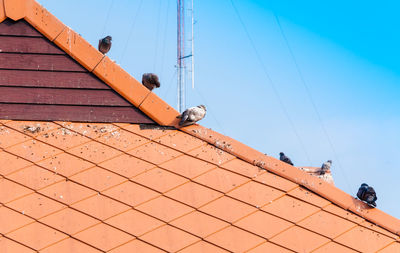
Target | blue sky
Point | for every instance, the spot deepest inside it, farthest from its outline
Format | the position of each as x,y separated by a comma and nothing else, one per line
347,52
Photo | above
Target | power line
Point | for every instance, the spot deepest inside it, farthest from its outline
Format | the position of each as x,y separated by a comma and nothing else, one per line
264,68
312,100
210,111
164,40
131,29
157,37
107,17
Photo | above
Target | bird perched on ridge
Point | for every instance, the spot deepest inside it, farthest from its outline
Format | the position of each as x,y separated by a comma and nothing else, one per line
367,193
192,115
284,158
325,167
150,81
105,44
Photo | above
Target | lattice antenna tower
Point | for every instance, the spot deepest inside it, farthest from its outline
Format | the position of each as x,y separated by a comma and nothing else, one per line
185,49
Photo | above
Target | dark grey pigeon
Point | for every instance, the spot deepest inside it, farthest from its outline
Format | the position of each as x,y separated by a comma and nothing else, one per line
285,159
367,194
325,167
105,44
150,80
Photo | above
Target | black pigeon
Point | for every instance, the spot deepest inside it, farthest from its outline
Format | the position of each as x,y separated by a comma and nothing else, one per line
367,193
285,159
105,44
150,80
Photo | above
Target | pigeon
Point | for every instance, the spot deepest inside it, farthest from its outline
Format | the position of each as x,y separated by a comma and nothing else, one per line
367,193
105,44
285,159
325,167
150,81
192,115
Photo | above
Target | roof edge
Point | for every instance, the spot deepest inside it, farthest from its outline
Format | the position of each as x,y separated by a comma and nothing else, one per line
319,186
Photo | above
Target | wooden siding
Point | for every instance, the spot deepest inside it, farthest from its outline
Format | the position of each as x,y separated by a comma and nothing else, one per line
38,81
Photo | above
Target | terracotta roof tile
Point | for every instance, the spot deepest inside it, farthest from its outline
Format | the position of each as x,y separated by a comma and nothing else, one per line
193,194
392,248
136,246
69,221
343,213
309,197
122,139
98,178
263,224
201,246
94,152
290,209
10,137
275,181
35,177
256,194
199,224
169,238
327,224
235,239
155,153
151,132
221,180
62,138
363,239
67,192
134,222
70,245
180,141
211,154
10,191
301,240
65,164
127,165
228,209
100,206
164,208
187,166
104,237
159,179
244,168
33,150
270,248
333,247
13,162
92,130
36,205
11,220
131,193
40,236
32,128
10,246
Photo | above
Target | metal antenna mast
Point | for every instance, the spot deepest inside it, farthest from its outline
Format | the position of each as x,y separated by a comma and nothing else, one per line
182,55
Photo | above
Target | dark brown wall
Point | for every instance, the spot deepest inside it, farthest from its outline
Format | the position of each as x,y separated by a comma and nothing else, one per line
38,81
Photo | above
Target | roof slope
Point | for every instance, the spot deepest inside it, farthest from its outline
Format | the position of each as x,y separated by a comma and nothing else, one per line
165,174
132,188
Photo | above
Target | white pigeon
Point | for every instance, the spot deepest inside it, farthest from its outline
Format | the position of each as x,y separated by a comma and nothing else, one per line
192,115
325,167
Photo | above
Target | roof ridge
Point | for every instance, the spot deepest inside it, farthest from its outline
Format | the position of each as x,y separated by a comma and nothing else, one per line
162,113
316,185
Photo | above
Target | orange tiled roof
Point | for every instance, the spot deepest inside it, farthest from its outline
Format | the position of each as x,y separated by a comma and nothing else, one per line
129,188
125,188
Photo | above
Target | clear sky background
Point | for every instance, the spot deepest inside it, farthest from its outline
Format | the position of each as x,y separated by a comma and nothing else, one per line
347,51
